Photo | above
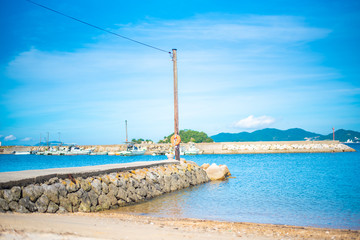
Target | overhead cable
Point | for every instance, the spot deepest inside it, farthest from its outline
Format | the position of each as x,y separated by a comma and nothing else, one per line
94,26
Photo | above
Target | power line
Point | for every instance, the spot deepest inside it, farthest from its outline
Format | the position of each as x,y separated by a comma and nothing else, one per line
94,26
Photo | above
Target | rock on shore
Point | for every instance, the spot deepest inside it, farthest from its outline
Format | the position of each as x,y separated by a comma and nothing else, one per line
216,172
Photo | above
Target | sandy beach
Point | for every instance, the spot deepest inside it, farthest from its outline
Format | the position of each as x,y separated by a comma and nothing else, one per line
109,225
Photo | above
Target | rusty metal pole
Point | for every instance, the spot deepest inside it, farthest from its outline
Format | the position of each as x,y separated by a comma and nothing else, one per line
176,109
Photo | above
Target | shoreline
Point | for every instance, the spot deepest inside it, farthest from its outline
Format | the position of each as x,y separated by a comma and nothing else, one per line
110,225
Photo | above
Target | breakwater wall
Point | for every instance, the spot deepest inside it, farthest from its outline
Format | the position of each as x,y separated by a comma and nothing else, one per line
95,188
274,147
218,148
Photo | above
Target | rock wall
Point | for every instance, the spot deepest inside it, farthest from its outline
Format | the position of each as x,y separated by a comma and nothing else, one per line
273,147
101,192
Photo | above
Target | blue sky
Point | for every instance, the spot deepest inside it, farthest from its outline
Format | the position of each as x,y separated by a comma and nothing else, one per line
243,65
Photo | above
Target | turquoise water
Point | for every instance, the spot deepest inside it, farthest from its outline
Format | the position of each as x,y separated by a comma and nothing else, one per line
318,189
10,163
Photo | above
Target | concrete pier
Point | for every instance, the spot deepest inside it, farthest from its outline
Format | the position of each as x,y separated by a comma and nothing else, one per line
94,188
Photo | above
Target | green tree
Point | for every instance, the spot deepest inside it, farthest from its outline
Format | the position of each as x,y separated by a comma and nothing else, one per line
138,141
189,135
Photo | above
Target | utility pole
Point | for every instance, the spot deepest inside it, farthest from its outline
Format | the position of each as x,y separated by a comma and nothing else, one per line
176,110
126,140
48,139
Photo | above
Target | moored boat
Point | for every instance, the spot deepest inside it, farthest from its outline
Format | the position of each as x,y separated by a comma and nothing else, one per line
132,150
22,152
191,150
74,150
99,153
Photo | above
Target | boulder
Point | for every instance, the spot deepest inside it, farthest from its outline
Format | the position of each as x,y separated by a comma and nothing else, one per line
15,207
51,192
150,177
33,192
216,172
71,186
113,190
25,202
42,203
85,206
113,201
62,189
93,198
141,192
205,166
65,204
4,205
96,186
12,194
85,198
122,194
53,207
53,180
104,202
74,199
105,188
85,184
174,182
225,170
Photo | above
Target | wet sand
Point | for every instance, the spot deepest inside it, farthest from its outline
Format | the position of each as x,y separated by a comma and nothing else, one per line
109,225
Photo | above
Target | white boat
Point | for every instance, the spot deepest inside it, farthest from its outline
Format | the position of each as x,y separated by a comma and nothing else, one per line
132,150
99,153
22,152
74,150
191,150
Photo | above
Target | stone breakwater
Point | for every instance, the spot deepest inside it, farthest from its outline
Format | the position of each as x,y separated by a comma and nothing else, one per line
273,147
99,192
291,147
218,148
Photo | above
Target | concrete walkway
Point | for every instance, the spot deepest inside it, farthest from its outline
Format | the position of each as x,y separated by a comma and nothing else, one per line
22,178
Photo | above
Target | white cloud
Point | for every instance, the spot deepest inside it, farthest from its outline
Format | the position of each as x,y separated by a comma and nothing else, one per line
252,122
231,28
26,139
10,138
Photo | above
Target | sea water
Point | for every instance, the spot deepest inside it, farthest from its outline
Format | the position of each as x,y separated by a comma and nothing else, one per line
303,189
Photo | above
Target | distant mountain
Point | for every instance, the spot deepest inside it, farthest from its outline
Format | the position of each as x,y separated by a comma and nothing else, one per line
293,134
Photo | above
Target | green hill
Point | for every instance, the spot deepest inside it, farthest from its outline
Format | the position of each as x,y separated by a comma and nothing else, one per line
293,134
343,135
188,135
